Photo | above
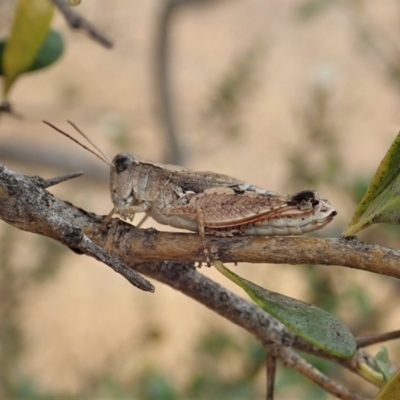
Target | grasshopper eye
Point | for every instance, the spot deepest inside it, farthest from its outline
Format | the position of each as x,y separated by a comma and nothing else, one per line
122,162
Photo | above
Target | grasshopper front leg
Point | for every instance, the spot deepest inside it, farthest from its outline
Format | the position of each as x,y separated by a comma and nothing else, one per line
126,212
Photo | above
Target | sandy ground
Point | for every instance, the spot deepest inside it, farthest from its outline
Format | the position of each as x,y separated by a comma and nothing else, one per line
87,314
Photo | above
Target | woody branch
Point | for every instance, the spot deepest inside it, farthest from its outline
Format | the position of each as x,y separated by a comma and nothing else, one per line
26,205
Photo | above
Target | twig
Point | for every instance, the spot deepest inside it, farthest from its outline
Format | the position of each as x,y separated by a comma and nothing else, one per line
271,372
46,183
293,360
369,340
186,279
91,249
76,21
7,108
73,237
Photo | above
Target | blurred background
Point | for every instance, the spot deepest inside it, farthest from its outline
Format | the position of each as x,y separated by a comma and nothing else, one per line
285,95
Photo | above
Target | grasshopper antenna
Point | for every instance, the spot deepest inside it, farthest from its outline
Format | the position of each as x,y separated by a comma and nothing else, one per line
89,140
102,157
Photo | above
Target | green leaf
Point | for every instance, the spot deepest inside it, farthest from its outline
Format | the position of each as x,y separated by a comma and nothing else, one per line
311,323
391,391
383,364
381,202
50,51
29,29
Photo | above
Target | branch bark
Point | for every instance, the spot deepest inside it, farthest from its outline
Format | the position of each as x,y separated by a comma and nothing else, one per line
25,205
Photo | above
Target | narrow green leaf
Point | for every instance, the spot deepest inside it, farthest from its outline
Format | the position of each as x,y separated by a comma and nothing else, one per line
29,29
311,323
51,50
391,391
380,202
383,364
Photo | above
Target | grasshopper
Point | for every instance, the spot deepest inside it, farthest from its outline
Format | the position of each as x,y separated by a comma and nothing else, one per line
206,202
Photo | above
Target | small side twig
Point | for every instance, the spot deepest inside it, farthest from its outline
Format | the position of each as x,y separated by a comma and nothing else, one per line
293,360
271,373
46,183
76,21
91,249
369,340
7,108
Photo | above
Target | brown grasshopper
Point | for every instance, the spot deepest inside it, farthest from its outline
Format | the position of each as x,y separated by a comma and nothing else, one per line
207,202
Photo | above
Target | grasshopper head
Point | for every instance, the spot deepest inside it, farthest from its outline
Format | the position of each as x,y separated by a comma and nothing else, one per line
121,172
121,182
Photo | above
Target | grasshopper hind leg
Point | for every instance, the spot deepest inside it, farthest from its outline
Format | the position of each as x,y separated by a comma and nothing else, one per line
202,234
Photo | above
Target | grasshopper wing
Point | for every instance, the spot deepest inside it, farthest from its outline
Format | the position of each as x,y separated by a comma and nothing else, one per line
199,181
258,214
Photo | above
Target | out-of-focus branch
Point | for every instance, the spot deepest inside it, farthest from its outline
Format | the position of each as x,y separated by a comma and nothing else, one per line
163,78
76,21
174,153
30,153
369,340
